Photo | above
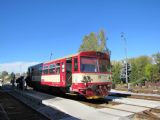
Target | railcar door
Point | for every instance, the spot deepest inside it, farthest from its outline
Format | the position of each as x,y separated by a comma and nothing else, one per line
63,72
68,72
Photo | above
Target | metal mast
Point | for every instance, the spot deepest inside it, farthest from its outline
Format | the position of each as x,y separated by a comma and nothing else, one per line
126,59
51,56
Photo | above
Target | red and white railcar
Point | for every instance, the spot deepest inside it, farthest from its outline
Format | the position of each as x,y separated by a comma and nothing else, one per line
85,73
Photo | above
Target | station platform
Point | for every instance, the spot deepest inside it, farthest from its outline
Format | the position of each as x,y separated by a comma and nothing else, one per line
74,109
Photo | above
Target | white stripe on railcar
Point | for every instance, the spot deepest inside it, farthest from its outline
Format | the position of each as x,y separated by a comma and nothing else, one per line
51,78
78,77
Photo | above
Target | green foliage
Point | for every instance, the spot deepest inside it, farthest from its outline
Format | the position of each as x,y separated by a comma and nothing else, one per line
141,63
134,73
102,41
149,72
93,42
139,67
116,72
143,68
140,81
155,74
157,60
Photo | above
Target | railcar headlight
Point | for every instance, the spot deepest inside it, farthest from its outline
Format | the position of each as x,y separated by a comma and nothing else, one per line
86,79
109,86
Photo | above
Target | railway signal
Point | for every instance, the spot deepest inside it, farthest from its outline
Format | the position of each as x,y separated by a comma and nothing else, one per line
123,72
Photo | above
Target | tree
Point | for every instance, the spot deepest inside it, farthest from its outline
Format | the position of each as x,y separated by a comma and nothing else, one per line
94,42
12,75
4,74
149,72
134,73
138,72
143,68
141,63
101,41
88,43
156,73
116,72
156,58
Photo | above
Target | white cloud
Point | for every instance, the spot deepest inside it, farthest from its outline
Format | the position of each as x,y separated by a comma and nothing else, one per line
16,67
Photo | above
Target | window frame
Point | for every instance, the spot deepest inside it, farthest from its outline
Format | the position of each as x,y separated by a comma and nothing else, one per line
52,68
58,68
75,70
45,69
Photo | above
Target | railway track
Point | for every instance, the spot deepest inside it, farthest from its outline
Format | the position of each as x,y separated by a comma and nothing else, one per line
149,114
155,98
12,109
146,114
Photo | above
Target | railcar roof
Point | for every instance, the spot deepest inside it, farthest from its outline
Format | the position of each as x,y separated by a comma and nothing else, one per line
35,65
68,56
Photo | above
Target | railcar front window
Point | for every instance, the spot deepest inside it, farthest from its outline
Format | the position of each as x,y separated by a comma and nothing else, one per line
89,64
104,65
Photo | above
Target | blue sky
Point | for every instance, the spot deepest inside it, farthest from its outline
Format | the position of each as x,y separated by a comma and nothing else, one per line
31,29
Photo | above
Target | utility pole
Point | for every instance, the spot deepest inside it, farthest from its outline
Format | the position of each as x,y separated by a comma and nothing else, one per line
126,59
51,56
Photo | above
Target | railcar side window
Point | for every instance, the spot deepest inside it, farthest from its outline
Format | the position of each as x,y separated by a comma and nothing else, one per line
32,70
58,68
75,64
62,67
52,69
40,71
45,70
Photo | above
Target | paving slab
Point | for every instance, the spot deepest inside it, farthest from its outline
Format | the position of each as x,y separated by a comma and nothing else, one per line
133,101
117,112
79,110
130,108
70,107
34,103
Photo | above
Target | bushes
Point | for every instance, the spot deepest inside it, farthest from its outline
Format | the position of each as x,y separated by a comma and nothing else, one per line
140,82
